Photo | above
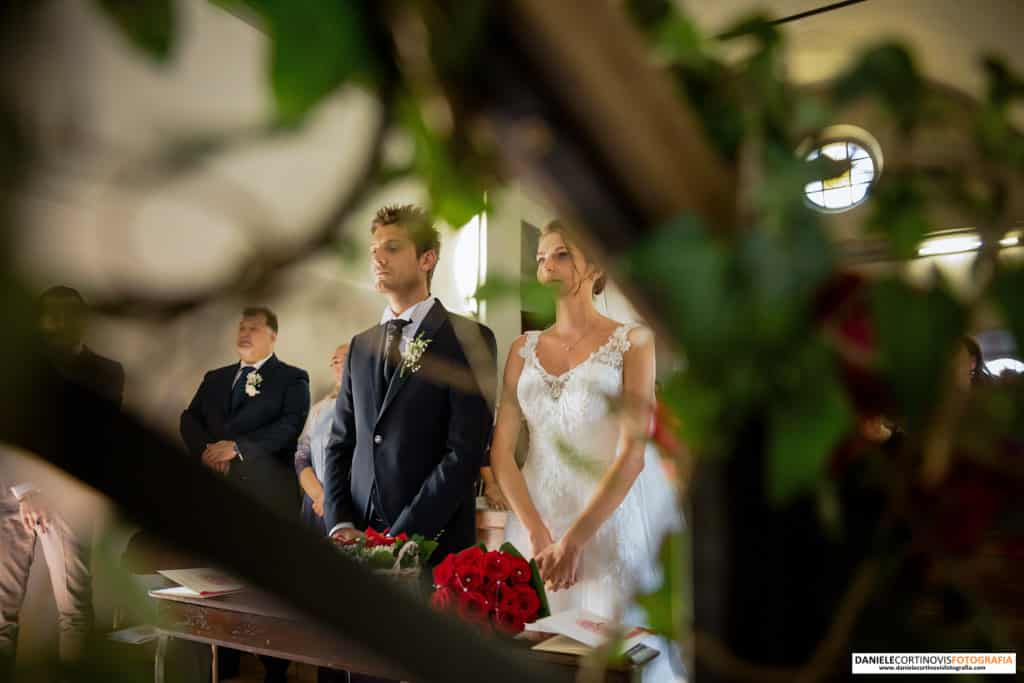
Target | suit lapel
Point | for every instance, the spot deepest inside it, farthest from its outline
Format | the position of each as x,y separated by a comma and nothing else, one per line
429,328
224,387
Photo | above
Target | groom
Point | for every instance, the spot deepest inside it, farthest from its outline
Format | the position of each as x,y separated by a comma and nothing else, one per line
410,429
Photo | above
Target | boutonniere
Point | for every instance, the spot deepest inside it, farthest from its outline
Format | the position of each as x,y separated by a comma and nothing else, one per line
252,384
413,354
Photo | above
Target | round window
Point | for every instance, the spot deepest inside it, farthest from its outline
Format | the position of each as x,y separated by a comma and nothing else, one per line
842,143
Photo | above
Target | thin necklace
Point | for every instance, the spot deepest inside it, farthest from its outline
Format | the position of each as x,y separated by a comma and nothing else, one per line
570,347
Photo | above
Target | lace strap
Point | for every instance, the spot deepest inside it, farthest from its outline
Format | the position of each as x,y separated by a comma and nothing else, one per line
620,338
531,342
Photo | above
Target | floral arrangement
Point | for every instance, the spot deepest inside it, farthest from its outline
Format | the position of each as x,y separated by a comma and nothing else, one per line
252,384
399,555
496,589
412,358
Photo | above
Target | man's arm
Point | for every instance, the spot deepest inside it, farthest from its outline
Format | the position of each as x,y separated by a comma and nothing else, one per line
283,432
193,424
469,430
338,512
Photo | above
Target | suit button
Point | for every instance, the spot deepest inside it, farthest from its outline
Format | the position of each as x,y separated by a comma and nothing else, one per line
378,438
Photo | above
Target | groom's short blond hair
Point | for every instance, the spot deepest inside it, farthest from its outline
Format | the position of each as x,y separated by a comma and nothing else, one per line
418,223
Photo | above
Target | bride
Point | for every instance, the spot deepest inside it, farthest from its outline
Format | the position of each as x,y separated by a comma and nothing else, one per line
591,502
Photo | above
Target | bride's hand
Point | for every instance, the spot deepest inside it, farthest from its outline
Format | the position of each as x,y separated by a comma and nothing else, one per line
540,539
559,565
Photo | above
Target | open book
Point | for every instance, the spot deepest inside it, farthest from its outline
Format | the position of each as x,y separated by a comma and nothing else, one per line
199,583
578,631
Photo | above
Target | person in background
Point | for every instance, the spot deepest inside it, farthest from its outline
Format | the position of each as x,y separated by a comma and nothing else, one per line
244,423
310,454
27,512
970,365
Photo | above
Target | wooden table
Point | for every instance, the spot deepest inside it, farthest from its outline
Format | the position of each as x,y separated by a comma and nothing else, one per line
254,623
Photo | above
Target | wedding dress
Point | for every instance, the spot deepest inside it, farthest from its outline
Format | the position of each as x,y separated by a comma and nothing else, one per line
573,439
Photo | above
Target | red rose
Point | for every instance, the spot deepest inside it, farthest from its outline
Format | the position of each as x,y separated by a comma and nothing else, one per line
470,556
509,622
496,591
444,573
374,538
474,607
442,599
496,566
522,601
469,577
519,571
469,568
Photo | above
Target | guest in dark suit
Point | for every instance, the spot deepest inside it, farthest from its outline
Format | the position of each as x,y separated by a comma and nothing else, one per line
410,429
29,510
244,422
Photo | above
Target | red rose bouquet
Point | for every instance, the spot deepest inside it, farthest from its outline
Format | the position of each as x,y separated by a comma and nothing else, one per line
386,554
497,589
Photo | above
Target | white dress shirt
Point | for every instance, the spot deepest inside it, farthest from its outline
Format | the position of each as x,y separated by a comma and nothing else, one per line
415,314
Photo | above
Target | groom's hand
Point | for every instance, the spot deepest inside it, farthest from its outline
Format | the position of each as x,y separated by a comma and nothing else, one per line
347,534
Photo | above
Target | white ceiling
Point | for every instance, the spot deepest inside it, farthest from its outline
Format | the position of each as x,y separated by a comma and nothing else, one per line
947,36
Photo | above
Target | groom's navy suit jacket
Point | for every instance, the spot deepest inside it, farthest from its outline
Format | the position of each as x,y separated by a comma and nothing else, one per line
266,428
421,439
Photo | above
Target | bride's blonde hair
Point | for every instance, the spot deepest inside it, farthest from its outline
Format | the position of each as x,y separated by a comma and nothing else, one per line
556,227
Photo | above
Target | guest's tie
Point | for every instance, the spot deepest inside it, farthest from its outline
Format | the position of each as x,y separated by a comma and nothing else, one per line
238,390
392,337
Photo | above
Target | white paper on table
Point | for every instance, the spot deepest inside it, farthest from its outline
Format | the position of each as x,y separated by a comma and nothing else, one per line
201,582
584,627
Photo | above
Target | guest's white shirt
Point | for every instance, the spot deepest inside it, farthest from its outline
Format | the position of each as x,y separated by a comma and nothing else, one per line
415,314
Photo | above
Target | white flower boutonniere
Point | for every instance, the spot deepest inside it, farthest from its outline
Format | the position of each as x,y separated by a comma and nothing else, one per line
413,354
252,384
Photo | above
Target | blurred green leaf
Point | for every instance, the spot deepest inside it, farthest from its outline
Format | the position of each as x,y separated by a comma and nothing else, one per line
693,273
1003,84
317,46
699,409
534,297
917,333
758,26
806,422
886,72
149,24
456,195
1008,292
898,212
677,39
669,609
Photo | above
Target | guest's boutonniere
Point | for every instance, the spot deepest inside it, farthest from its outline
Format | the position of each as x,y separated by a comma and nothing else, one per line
252,384
413,354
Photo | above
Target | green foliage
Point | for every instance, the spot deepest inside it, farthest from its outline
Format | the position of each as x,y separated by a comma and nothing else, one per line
455,195
917,333
1008,293
317,47
669,609
534,297
886,72
806,422
149,24
898,205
